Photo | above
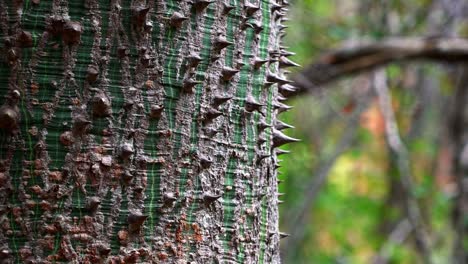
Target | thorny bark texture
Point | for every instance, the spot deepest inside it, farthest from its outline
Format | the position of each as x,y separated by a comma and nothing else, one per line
140,131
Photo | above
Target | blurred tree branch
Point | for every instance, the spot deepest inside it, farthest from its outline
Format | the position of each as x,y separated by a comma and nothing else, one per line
350,60
400,152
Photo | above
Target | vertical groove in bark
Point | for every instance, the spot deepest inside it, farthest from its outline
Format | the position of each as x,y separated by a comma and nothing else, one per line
137,131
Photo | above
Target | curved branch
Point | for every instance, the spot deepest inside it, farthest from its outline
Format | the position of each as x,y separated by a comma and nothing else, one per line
349,60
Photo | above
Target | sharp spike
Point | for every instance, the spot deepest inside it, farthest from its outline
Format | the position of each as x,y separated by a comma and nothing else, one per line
205,161
279,125
220,99
72,32
9,118
188,85
287,89
259,62
136,219
227,8
126,150
169,199
286,53
211,114
92,74
281,107
101,105
262,125
194,59
209,198
156,111
280,152
201,5
285,62
273,78
221,42
139,15
252,105
227,73
283,235
177,19
280,139
250,9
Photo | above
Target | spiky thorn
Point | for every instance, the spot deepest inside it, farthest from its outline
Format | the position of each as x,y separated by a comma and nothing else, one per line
139,15
101,105
220,99
188,84
280,139
126,150
80,125
72,32
209,198
227,73
135,221
280,106
205,161
25,39
193,59
92,204
262,156
211,114
282,27
285,62
280,152
92,73
9,118
275,6
256,26
156,111
168,199
262,125
280,98
280,125
200,5
261,139
252,105
250,9
286,53
257,63
283,235
227,8
273,78
221,42
287,89
210,131
177,19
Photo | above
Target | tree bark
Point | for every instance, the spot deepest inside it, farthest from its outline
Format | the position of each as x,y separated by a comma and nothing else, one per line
140,131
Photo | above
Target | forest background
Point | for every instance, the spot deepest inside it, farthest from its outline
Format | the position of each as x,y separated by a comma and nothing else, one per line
344,185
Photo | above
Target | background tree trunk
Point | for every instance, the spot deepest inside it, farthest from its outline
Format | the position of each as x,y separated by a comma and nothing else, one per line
137,131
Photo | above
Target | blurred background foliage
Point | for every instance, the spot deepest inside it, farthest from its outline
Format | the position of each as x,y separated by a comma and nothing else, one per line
342,199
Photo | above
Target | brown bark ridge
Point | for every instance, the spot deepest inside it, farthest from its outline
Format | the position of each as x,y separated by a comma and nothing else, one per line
350,60
140,131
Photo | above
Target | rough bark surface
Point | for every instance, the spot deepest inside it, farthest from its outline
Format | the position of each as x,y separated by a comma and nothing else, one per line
139,131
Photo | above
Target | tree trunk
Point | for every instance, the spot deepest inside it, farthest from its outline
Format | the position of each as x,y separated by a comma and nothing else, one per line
139,132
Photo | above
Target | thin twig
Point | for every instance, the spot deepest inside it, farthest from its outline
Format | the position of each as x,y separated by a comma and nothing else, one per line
399,150
397,236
